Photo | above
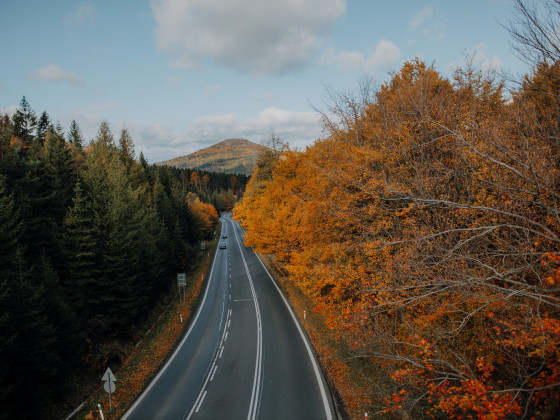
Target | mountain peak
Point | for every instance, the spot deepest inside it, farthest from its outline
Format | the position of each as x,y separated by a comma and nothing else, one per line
234,155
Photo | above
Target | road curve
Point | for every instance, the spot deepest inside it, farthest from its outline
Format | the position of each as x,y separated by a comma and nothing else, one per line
244,355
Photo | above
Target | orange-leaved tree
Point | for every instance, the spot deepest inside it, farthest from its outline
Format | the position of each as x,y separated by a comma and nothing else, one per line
426,226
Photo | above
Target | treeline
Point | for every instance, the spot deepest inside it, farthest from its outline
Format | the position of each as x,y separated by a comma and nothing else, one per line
90,238
426,228
216,188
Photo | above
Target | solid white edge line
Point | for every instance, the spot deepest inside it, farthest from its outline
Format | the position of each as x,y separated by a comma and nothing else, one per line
139,400
318,375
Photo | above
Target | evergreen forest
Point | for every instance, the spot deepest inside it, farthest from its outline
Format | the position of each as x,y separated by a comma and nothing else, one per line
90,239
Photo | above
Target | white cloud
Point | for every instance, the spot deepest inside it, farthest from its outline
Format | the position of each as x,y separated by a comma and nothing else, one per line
10,110
252,36
385,54
493,64
420,17
479,57
294,127
54,73
84,14
160,143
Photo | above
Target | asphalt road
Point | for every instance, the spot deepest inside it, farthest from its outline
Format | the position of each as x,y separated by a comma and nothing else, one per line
244,355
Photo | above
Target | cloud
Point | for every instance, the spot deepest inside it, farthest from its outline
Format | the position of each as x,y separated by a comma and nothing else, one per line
10,110
493,64
159,142
54,73
84,14
478,56
420,17
252,36
384,55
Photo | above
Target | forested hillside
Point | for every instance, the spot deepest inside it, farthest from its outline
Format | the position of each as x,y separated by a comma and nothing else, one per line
425,227
232,156
90,238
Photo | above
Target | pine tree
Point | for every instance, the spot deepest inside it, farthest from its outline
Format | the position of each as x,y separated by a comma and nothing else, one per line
105,137
59,165
42,127
75,136
81,247
126,148
25,121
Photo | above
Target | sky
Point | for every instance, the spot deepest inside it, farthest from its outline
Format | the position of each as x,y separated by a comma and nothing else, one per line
181,75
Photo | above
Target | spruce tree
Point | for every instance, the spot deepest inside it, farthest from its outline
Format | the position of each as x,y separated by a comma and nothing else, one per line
59,165
126,148
81,247
105,137
75,136
42,127
24,121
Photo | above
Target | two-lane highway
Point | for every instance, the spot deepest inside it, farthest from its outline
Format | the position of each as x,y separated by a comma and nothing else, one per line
244,355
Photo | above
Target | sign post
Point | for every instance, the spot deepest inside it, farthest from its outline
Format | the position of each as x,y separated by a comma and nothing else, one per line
109,384
181,282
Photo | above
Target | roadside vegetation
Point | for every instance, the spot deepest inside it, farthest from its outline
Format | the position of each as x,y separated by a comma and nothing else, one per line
166,326
424,229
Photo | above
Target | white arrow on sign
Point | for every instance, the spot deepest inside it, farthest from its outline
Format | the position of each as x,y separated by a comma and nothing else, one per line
108,375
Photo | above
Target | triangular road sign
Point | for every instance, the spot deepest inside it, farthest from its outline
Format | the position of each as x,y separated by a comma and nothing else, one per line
108,376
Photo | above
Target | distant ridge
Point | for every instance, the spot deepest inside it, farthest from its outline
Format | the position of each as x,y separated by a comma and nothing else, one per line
232,156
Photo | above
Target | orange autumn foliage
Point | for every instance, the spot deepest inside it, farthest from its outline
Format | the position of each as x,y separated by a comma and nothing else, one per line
204,212
426,227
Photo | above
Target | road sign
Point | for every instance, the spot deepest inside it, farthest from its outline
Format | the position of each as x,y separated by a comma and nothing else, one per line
108,375
109,384
181,279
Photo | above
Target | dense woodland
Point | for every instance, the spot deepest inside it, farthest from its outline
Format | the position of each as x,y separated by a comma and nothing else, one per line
426,227
90,238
